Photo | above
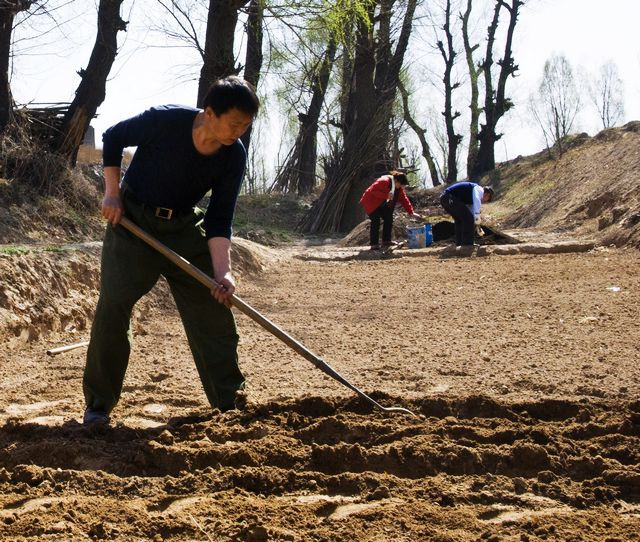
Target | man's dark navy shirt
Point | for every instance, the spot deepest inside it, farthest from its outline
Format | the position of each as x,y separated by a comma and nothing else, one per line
463,191
168,171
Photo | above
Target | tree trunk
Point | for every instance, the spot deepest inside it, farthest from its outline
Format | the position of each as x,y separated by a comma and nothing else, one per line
346,79
383,39
253,62
364,154
8,11
366,138
218,47
421,133
359,111
92,88
453,140
485,160
371,139
475,93
496,105
6,100
309,126
299,172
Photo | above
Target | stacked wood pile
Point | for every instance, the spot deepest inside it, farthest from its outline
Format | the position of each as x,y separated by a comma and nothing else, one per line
42,121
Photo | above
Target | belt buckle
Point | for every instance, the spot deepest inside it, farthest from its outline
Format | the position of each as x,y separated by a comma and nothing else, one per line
163,212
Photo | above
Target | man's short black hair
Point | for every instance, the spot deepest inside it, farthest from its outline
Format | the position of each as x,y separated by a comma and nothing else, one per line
230,92
489,190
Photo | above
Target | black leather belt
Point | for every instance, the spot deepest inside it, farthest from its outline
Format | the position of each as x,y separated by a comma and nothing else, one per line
159,212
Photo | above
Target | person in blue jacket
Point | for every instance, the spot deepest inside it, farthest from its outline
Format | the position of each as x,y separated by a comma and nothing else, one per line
463,201
182,153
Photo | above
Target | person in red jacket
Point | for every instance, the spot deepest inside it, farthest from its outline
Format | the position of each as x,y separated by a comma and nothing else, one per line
379,201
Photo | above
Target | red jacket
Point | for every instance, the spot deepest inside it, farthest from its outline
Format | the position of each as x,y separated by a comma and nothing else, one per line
378,192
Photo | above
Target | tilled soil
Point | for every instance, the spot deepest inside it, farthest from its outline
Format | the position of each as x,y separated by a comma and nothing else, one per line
523,372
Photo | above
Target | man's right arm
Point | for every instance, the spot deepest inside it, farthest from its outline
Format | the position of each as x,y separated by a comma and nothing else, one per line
476,206
127,133
112,203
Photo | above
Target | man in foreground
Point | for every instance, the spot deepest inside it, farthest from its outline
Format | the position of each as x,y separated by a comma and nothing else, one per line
182,153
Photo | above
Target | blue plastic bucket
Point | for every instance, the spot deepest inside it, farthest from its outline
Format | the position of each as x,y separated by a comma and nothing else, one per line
416,237
428,234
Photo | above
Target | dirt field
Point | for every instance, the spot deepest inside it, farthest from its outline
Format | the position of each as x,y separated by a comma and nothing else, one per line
524,371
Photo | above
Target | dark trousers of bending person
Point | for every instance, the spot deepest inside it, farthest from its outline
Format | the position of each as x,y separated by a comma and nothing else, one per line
384,212
462,216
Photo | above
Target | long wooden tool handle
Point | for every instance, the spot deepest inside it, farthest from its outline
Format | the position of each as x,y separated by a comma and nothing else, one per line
245,308
61,349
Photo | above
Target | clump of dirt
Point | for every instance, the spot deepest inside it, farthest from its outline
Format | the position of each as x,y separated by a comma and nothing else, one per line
592,189
249,258
426,199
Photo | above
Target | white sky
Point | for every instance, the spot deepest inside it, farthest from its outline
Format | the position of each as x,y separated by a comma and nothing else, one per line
587,32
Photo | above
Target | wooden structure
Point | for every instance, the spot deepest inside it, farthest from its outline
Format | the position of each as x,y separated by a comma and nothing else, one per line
44,121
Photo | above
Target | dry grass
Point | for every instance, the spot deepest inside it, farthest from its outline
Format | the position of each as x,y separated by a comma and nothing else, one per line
41,193
38,173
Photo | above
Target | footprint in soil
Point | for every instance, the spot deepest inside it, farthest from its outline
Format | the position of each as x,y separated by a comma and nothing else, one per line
17,410
141,422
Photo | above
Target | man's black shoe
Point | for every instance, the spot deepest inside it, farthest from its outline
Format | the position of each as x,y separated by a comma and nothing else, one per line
94,416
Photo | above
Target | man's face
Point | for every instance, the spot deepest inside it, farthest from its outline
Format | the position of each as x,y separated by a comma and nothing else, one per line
229,126
486,197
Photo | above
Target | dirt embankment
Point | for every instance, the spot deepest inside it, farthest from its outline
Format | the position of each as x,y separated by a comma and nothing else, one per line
593,189
51,289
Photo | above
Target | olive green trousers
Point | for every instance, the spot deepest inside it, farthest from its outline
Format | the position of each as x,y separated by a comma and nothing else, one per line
129,269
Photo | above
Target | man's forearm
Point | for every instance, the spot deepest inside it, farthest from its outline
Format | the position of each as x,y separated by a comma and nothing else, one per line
220,249
111,181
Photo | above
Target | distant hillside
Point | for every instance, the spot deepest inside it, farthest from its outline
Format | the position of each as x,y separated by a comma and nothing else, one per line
593,189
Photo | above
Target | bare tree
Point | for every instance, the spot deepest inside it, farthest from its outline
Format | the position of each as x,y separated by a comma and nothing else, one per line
372,91
474,73
448,53
186,20
219,60
182,22
421,133
607,95
496,102
254,57
557,104
299,172
8,11
255,175
92,88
